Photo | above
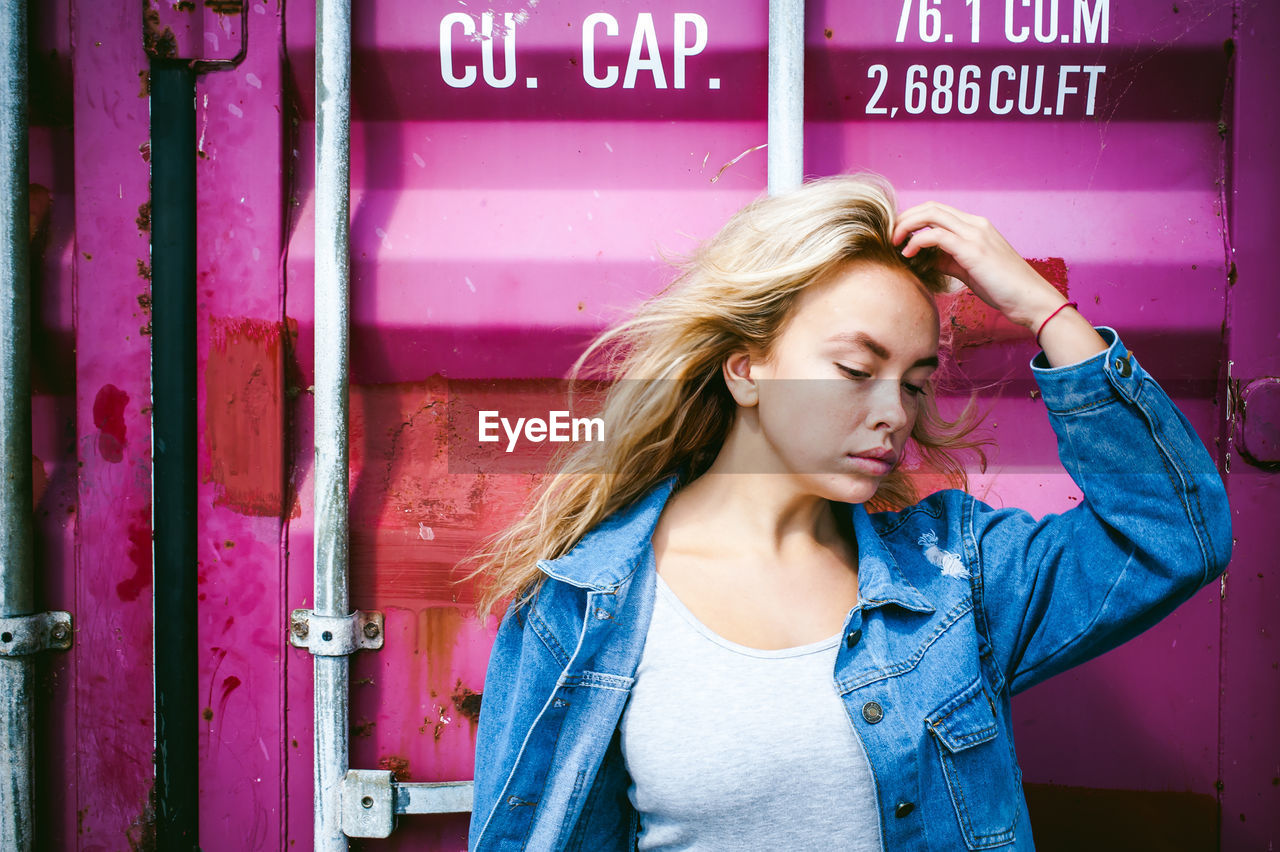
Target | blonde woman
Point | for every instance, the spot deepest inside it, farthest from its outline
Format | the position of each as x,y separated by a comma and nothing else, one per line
712,644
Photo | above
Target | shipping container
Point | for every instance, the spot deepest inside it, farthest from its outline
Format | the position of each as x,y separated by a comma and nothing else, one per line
521,175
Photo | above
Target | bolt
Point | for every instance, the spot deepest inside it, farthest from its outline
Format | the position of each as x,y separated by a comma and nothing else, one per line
371,630
300,629
60,632
366,802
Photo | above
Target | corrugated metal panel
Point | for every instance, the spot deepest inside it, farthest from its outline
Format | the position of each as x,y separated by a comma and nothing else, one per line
497,225
494,228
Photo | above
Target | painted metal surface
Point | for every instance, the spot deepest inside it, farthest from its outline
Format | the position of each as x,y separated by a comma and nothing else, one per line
497,220
1250,656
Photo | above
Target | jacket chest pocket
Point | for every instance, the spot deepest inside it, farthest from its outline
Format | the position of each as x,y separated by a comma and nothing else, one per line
979,765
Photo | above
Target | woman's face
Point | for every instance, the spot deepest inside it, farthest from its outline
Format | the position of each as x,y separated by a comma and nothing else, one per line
841,385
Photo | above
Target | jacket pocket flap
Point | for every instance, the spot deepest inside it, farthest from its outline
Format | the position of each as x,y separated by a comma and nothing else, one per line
966,719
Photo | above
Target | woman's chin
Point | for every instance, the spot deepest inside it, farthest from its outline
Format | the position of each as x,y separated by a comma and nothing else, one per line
852,488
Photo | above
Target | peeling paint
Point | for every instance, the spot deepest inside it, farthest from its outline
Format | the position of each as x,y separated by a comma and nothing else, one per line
398,766
467,701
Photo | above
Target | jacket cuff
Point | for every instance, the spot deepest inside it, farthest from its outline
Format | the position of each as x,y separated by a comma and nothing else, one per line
1100,378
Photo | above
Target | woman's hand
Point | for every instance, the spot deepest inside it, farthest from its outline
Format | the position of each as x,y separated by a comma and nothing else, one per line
973,251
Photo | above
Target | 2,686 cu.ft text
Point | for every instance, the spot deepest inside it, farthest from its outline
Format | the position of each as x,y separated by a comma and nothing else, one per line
1030,89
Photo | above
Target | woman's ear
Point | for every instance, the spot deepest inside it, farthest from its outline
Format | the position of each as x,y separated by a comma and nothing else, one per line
738,378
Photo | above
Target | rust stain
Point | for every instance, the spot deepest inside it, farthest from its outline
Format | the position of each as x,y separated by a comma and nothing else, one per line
108,417
438,629
398,766
363,729
144,83
144,271
157,42
244,416
141,833
224,7
143,220
467,702
140,556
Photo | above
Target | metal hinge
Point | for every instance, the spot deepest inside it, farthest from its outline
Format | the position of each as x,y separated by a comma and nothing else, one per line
371,799
30,634
335,635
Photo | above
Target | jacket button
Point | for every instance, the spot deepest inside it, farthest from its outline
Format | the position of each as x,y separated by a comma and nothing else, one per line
1123,367
872,712
903,809
852,639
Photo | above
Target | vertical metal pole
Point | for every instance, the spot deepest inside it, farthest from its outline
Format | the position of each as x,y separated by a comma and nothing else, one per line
786,95
173,430
17,592
332,299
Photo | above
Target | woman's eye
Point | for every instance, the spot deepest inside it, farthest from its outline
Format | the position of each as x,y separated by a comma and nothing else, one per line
914,390
852,373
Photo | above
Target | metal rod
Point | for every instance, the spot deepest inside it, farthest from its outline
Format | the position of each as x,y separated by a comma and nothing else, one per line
332,301
17,581
173,427
786,95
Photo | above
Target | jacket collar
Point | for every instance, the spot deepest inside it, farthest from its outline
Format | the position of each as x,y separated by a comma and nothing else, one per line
613,549
880,580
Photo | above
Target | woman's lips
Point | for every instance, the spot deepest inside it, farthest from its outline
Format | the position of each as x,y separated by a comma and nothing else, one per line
870,465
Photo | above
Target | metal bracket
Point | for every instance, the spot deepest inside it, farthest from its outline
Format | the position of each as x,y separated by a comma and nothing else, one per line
31,634
335,635
372,798
367,803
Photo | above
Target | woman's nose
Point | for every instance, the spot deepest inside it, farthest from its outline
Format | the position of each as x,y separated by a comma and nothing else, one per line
886,406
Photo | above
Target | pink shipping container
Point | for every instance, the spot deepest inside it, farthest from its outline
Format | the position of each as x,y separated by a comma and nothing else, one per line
518,174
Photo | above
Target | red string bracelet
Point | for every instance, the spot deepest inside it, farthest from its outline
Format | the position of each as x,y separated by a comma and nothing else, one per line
1051,316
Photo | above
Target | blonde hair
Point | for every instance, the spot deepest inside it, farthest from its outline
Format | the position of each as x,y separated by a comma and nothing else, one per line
736,290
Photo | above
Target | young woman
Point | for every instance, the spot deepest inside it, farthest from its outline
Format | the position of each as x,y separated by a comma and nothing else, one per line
713,645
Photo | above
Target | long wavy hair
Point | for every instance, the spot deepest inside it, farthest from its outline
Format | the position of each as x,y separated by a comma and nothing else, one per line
667,408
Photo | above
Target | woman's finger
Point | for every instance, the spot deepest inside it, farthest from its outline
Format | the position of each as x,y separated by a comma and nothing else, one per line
940,237
935,215
939,207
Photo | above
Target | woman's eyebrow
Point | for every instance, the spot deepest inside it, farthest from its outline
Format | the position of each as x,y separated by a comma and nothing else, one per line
861,338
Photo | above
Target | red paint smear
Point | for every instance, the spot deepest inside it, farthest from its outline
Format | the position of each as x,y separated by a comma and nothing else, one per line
972,322
412,520
108,416
140,556
244,416
1053,269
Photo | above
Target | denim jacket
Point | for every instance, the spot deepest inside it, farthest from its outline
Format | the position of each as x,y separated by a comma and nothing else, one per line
960,606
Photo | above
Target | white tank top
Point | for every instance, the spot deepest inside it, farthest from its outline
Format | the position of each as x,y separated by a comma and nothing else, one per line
737,748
